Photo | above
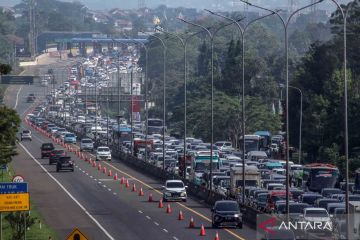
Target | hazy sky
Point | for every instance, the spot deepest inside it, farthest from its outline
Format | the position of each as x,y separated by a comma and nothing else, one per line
213,4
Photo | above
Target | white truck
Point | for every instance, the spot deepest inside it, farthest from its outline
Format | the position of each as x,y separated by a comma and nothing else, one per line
252,178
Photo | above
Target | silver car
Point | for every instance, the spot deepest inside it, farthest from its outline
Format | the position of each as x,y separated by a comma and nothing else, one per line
174,190
26,134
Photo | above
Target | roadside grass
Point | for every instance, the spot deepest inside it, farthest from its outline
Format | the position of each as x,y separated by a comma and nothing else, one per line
39,231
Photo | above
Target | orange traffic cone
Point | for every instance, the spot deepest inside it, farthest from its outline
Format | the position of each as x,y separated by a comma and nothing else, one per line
192,223
168,208
141,193
202,230
181,216
161,204
116,177
150,198
217,236
127,185
104,170
134,188
109,173
94,164
99,167
122,180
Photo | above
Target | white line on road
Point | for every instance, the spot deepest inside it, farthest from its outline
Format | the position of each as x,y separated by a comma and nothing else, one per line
148,217
175,238
157,224
140,211
165,230
17,98
69,194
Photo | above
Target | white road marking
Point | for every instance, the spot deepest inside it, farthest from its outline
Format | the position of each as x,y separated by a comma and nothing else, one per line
148,217
115,193
175,238
109,189
91,177
69,194
157,224
165,230
140,211
104,186
17,98
87,174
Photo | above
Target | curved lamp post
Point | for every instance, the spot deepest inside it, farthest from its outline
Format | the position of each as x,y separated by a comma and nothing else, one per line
164,92
242,31
146,100
211,35
285,23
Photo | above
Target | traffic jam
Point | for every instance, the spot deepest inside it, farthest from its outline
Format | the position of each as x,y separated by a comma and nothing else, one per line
71,116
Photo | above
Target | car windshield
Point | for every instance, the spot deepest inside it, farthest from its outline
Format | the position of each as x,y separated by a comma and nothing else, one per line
70,135
174,185
58,151
227,206
26,131
103,149
47,146
86,141
316,213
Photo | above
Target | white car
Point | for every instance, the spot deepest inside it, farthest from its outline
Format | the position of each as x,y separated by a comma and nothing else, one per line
26,134
174,190
103,153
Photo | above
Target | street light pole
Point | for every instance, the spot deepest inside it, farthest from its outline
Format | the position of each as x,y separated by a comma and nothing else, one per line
164,96
242,31
300,120
211,35
285,23
300,124
346,130
146,97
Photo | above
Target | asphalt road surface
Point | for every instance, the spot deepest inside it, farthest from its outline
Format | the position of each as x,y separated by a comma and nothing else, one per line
97,204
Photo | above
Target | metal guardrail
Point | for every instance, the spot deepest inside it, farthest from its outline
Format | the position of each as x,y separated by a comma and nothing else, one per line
197,191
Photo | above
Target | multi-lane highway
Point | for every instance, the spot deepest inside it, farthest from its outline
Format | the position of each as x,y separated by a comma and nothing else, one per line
97,204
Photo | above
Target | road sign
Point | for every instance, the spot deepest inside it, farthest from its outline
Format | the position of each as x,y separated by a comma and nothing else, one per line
12,79
6,188
18,179
76,235
14,202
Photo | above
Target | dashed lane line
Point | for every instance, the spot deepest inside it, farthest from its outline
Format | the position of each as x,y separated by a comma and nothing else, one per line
69,194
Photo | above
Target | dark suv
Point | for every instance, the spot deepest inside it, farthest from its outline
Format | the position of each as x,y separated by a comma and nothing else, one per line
46,149
55,154
64,163
226,213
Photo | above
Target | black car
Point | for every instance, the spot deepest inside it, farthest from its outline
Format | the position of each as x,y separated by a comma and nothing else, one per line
55,154
226,213
64,163
46,149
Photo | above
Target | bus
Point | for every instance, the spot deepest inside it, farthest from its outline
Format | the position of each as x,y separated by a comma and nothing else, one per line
155,126
252,143
317,176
